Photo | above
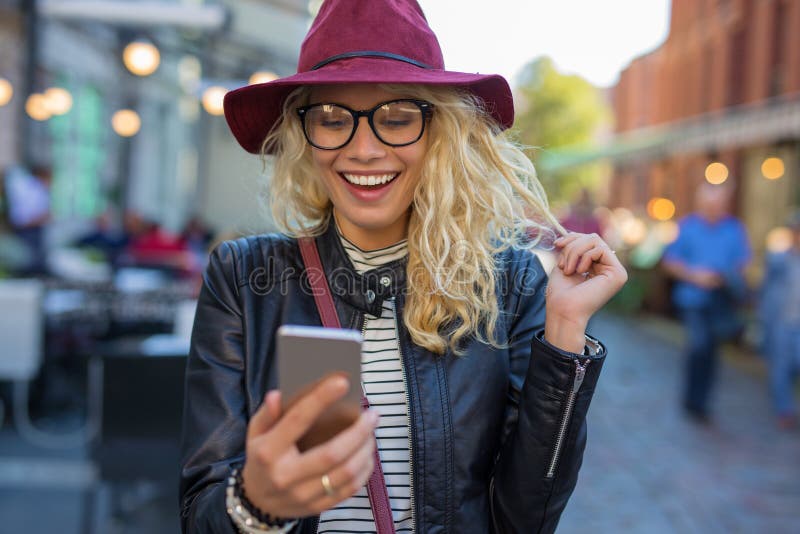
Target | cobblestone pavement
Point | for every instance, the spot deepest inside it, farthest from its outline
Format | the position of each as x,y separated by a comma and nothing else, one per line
646,469
649,470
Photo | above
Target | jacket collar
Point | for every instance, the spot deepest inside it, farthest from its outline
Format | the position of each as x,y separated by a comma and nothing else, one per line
366,291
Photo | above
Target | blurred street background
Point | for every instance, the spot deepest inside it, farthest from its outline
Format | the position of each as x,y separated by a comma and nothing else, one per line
118,175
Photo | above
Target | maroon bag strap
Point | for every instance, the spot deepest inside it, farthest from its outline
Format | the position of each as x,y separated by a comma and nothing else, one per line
376,487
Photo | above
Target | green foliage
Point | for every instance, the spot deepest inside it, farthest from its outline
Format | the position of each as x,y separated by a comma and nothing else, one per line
559,114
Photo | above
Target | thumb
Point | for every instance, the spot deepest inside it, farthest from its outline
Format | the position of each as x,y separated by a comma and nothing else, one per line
267,415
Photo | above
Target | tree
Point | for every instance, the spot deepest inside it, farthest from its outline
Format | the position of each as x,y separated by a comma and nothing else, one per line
559,115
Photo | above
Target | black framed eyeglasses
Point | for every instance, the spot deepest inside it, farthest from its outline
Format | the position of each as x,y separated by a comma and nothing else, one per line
395,123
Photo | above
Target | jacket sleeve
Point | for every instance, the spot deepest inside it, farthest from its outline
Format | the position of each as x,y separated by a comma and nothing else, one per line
542,450
215,411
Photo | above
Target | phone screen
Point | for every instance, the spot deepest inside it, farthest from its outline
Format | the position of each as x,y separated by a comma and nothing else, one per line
306,355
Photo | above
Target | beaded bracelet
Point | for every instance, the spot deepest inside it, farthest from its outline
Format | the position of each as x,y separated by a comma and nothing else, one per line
245,515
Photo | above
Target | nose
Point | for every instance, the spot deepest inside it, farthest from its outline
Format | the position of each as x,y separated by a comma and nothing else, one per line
365,146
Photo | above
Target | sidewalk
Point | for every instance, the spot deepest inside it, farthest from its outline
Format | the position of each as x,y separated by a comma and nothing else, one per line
648,470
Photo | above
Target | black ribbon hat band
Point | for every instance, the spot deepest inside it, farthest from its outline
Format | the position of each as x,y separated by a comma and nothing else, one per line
371,53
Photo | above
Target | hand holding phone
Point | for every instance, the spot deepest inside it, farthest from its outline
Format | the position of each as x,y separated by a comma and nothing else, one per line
312,427
284,482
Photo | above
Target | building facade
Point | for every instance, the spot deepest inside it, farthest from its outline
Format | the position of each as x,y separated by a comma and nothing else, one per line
181,162
724,87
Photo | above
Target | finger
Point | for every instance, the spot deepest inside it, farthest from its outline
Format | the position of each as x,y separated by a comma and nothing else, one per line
350,476
347,479
299,418
565,240
310,495
575,250
322,458
590,257
266,415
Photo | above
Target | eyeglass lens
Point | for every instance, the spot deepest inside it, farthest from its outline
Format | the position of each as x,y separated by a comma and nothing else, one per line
394,123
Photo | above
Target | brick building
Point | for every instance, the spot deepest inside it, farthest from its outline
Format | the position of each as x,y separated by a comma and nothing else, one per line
724,87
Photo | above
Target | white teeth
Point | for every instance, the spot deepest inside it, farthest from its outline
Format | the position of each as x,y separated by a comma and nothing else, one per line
377,179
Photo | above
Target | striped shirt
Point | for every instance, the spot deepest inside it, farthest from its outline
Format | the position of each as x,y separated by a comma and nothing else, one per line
382,375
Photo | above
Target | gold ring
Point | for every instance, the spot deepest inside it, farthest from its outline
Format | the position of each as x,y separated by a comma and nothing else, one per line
327,486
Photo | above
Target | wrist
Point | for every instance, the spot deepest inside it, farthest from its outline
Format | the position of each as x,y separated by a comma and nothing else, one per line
246,486
567,335
245,515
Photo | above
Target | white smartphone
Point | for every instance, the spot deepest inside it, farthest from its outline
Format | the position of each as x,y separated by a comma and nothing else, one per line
306,355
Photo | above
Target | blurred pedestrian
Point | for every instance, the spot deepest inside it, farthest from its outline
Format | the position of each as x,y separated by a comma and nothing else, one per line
779,309
582,217
107,236
707,260
28,196
393,178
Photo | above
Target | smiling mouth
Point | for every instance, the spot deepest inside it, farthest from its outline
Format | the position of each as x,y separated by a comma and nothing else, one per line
374,180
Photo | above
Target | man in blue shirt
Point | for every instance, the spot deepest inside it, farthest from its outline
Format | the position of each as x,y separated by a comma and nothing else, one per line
707,261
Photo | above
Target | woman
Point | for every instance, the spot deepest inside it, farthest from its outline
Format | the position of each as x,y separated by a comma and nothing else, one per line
417,205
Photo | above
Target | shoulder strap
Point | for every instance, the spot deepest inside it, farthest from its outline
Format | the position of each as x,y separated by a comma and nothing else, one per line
376,487
318,282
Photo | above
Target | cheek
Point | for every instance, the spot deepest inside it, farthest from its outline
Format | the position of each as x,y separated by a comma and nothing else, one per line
322,160
415,167
323,165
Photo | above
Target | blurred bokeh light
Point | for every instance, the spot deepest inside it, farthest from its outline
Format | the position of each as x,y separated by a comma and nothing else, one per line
716,173
773,168
6,91
661,209
779,239
633,230
212,99
262,76
667,232
141,58
126,122
37,108
58,100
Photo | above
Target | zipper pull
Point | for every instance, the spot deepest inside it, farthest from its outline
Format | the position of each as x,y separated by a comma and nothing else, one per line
580,373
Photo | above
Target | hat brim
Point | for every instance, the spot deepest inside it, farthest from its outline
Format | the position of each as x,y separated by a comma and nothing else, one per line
252,111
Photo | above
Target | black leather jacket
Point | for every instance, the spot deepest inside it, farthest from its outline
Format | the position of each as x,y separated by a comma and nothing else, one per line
497,435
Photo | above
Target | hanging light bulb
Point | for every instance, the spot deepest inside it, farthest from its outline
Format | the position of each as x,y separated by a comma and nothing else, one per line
36,107
141,58
126,122
262,76
661,209
212,99
59,100
6,92
716,173
773,168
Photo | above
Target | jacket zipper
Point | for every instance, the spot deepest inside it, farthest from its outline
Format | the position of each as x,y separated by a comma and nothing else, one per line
408,415
580,373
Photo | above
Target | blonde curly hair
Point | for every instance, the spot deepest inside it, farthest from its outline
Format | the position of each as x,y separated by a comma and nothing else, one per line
477,196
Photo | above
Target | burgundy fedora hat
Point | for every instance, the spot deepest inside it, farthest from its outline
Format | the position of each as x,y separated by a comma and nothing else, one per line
361,41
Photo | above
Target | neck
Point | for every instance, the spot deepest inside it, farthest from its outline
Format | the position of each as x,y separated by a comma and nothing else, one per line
371,239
